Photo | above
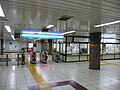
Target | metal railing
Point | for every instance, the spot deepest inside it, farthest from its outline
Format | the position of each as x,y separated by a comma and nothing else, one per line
5,58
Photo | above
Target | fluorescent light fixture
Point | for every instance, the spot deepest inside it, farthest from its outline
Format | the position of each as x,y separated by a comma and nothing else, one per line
110,23
8,28
42,36
68,32
1,12
50,26
13,37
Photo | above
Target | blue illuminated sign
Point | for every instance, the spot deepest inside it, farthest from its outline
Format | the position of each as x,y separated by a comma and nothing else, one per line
41,33
42,36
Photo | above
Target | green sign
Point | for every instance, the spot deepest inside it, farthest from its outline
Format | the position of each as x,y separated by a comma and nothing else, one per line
17,35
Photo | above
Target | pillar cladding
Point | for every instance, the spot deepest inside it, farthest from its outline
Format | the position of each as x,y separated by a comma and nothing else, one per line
46,45
1,46
43,46
50,46
94,60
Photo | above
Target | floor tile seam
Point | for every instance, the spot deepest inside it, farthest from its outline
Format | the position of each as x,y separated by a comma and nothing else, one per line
31,68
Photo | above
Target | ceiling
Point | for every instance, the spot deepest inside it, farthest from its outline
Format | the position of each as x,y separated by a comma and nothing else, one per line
36,14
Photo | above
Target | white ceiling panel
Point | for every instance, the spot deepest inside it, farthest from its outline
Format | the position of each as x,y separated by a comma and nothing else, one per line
36,14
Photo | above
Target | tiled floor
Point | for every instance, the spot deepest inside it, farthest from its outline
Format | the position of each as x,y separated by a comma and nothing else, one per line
15,78
107,78
20,78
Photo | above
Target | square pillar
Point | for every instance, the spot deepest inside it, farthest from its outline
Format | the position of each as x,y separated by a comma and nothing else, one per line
94,60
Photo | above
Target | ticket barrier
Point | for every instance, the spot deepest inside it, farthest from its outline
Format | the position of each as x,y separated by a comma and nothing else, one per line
33,58
44,57
23,59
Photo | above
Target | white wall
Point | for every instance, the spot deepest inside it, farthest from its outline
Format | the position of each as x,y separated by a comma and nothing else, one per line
15,46
38,47
20,45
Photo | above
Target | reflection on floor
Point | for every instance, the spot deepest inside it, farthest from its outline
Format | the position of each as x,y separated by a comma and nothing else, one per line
15,78
20,78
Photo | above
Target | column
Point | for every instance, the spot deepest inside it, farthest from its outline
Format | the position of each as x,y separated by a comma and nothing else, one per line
50,46
44,42
94,60
43,46
95,35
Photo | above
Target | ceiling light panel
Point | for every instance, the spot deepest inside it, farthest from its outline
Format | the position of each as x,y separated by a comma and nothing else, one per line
68,32
8,28
50,26
1,12
106,24
13,37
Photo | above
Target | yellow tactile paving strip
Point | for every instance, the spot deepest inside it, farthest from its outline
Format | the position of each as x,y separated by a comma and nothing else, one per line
40,81
112,63
104,63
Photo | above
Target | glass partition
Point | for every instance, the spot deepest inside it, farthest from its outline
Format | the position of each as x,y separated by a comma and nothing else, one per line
110,51
117,48
83,48
72,48
117,51
63,48
79,51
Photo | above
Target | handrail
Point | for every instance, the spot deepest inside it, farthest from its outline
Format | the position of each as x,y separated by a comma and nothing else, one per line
6,58
18,59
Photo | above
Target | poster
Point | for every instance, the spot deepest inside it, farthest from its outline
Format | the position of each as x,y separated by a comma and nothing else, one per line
13,46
